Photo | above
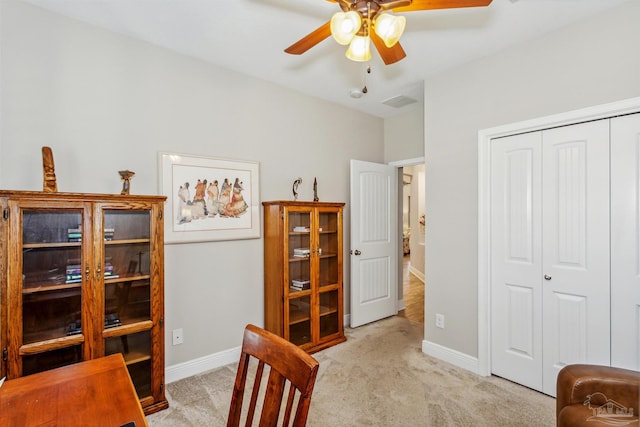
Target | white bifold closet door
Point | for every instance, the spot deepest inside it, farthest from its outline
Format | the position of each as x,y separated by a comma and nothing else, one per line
625,242
550,252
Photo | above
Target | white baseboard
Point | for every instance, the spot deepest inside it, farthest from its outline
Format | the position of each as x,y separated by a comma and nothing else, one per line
401,305
419,274
202,364
451,356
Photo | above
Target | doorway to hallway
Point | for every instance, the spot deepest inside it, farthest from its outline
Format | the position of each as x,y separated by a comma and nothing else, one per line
411,216
413,294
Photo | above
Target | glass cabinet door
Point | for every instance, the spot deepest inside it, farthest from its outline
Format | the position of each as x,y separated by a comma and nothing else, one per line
298,275
125,269
52,282
330,272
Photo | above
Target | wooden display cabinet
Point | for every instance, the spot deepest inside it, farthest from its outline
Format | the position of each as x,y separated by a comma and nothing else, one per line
303,272
81,277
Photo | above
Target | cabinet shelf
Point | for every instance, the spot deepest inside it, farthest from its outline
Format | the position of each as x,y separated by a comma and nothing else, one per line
44,287
324,311
298,293
125,241
132,358
127,278
298,318
52,245
307,258
299,259
328,255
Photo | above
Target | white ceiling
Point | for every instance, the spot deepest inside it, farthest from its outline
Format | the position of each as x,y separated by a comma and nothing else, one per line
249,36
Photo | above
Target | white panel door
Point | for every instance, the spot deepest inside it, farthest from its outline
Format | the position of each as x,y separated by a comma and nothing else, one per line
374,240
516,322
550,285
625,242
575,242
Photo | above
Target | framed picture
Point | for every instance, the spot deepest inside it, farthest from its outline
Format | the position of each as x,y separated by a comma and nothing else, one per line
209,198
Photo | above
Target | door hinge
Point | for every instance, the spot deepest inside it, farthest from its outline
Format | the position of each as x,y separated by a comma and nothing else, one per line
5,354
161,387
162,321
160,214
5,214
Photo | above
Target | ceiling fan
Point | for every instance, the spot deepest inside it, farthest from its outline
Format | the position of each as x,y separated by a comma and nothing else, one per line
363,21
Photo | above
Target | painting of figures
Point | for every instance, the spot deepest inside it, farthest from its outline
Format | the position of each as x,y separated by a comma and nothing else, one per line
209,198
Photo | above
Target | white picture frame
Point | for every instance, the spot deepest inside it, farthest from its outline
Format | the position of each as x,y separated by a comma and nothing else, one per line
198,208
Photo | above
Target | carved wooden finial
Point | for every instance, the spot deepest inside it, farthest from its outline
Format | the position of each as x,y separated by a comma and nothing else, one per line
49,184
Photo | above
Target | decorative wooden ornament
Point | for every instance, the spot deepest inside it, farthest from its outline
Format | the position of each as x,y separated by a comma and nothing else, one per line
126,176
49,184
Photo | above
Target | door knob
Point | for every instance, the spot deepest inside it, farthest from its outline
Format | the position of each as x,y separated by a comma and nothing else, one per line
547,277
357,252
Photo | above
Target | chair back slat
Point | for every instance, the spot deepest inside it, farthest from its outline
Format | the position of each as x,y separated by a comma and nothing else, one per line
288,365
289,406
238,390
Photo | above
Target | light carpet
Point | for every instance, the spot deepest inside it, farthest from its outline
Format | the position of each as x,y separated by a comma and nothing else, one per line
378,377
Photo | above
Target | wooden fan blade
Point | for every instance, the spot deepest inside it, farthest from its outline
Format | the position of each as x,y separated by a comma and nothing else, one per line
389,55
441,4
310,40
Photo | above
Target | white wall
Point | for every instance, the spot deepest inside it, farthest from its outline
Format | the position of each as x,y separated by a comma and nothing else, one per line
404,136
105,102
586,64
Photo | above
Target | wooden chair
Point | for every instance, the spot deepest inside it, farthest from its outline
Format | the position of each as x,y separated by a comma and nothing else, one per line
287,364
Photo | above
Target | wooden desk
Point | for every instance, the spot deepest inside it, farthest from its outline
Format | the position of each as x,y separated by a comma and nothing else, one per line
97,392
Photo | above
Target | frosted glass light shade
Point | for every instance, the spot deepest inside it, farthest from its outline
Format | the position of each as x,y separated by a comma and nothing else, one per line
345,25
390,28
359,49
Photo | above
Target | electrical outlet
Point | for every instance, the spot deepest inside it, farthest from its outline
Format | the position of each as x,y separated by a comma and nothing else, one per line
178,337
440,320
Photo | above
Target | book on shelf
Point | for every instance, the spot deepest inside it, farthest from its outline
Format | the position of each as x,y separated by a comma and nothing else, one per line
108,233
301,252
304,229
300,285
111,320
74,272
74,234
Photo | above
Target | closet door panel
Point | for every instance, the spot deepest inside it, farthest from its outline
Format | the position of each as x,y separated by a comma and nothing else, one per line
625,242
516,351
575,238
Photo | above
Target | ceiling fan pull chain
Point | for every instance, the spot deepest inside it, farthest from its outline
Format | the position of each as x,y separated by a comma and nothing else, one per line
364,89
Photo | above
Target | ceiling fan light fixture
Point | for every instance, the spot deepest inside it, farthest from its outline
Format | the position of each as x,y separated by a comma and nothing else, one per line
359,49
389,28
345,25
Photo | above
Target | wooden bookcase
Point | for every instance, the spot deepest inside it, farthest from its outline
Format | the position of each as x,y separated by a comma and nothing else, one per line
81,277
303,272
